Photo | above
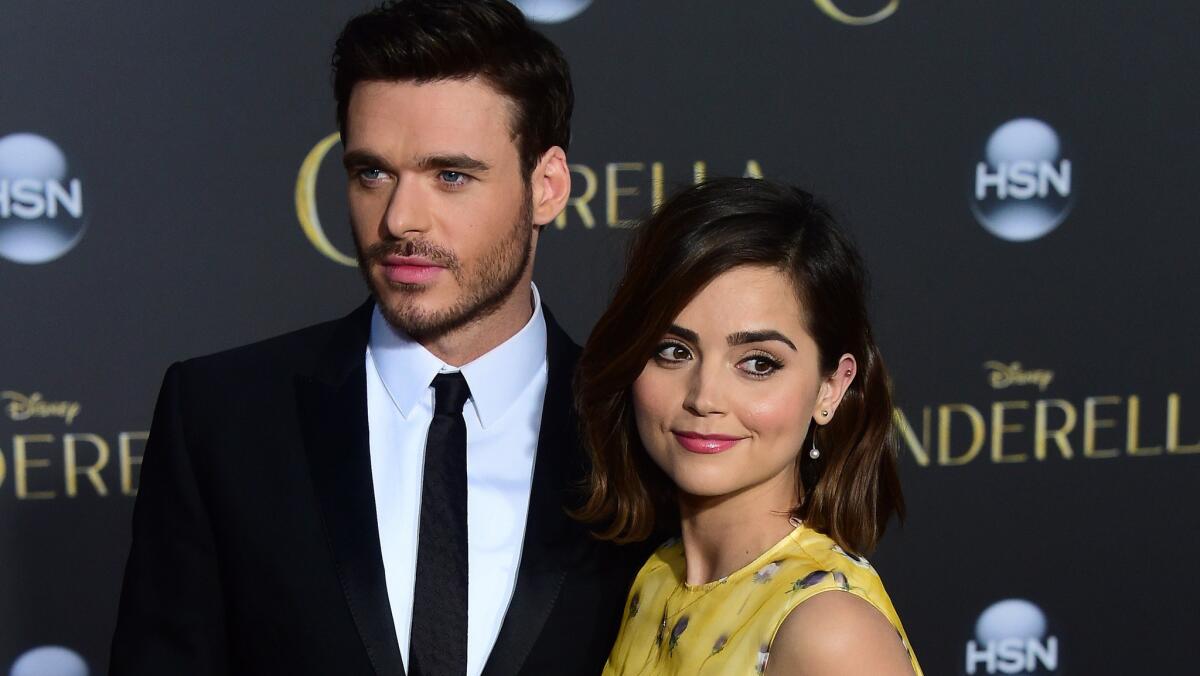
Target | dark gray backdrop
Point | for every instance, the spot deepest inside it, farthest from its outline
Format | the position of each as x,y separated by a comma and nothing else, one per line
187,125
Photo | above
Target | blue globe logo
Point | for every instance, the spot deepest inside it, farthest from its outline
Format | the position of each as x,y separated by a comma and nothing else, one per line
41,205
50,660
1021,190
552,11
1010,618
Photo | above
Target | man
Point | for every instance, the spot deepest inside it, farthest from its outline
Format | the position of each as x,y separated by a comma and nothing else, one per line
388,493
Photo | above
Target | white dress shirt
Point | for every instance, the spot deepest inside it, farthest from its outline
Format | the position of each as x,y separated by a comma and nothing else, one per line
503,418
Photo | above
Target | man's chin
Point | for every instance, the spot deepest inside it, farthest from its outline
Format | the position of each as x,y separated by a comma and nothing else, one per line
411,312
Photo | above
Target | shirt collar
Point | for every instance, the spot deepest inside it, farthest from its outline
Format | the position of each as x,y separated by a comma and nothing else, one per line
496,378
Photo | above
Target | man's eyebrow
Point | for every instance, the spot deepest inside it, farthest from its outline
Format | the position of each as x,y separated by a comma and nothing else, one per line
453,161
743,337
363,158
686,334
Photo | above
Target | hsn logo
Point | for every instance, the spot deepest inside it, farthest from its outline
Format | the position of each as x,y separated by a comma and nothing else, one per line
1010,638
41,204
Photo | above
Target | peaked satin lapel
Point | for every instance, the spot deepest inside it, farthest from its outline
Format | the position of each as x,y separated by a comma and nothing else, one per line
552,539
333,413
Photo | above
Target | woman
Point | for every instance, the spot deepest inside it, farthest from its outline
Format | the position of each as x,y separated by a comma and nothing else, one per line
734,386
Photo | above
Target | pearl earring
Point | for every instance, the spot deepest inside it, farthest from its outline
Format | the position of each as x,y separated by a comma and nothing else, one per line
813,452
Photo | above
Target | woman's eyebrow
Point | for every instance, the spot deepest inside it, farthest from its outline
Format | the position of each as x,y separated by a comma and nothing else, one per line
686,334
743,337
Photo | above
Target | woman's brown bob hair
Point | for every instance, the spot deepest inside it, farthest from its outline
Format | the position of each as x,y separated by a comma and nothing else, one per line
853,489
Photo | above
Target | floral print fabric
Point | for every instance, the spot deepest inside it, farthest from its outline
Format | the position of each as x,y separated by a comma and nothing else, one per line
727,626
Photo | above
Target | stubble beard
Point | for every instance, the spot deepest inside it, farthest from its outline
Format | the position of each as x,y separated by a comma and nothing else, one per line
484,289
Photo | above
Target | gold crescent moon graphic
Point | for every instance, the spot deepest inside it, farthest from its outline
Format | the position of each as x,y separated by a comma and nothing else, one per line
837,14
306,202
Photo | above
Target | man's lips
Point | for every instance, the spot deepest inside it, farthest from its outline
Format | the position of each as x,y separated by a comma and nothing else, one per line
410,269
705,443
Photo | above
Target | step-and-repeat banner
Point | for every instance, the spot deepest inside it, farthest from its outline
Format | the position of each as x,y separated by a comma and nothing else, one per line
1019,175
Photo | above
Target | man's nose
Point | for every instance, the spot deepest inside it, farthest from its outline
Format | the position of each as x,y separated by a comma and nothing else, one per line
406,210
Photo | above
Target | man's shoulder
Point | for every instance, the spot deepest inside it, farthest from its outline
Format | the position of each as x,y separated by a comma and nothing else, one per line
289,354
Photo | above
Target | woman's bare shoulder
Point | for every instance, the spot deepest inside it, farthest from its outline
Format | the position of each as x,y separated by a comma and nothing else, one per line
835,633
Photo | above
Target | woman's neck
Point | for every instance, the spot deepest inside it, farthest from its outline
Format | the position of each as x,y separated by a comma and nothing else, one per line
725,533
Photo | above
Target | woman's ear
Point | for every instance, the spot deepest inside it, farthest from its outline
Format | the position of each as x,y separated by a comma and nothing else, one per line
833,388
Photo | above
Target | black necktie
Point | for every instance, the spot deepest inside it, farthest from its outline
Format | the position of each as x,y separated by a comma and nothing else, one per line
439,619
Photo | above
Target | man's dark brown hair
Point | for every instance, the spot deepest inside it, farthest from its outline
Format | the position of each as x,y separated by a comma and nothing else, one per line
430,40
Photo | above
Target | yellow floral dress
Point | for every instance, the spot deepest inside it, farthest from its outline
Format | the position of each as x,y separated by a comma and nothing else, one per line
726,626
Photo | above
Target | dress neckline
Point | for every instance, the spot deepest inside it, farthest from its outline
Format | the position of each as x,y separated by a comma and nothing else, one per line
753,568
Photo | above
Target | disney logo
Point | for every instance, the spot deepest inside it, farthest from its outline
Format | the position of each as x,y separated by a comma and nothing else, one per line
1011,375
21,407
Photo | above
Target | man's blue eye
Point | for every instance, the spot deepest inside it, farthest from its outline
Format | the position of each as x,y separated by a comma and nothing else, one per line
371,174
452,177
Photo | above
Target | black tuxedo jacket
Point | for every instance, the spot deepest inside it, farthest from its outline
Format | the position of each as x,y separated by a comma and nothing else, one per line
255,544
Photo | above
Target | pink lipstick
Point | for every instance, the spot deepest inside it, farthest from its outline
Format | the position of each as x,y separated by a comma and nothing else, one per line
707,444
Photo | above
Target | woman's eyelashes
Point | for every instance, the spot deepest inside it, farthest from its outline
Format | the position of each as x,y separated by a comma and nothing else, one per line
672,352
757,364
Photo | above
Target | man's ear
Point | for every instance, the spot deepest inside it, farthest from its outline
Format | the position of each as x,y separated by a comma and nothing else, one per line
550,186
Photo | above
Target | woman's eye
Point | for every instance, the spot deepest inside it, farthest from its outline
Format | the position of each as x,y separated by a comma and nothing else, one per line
672,352
759,366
